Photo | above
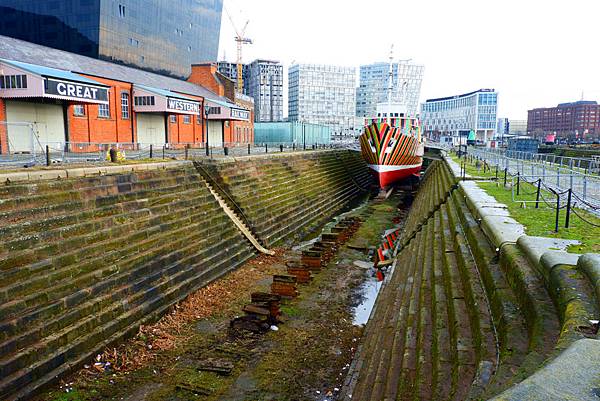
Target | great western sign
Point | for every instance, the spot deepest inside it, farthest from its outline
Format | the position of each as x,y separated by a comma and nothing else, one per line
75,91
183,106
240,114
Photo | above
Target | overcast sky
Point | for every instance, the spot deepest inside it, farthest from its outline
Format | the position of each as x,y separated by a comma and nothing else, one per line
535,53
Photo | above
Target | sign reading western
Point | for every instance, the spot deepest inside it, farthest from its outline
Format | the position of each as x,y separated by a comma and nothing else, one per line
183,106
75,91
241,114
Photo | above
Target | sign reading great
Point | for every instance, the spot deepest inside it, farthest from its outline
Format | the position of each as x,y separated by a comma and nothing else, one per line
183,106
76,91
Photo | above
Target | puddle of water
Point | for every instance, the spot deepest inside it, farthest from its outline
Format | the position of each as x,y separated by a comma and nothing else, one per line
367,292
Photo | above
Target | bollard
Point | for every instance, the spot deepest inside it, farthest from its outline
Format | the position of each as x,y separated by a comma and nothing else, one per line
187,150
248,148
537,196
266,148
557,211
207,150
113,155
225,150
151,151
568,209
294,146
281,148
48,161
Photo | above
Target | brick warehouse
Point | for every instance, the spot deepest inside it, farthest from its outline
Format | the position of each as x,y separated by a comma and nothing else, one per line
71,101
566,119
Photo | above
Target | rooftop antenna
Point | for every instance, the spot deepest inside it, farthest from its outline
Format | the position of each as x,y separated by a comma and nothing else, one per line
390,85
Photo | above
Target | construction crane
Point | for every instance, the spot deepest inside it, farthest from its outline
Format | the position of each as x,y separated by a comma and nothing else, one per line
240,40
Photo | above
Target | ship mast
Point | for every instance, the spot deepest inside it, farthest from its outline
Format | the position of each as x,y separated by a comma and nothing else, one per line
390,86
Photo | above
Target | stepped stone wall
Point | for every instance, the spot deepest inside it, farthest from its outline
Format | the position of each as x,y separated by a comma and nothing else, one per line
85,261
470,314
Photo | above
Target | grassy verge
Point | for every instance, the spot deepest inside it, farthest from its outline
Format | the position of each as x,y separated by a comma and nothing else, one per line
540,221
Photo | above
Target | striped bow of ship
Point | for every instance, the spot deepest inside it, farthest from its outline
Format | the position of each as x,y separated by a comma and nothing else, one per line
392,154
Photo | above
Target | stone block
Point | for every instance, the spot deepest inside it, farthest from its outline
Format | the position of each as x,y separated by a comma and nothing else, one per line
47,175
572,375
535,247
14,177
589,264
501,230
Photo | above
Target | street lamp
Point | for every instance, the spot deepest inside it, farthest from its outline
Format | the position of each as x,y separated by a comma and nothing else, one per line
206,110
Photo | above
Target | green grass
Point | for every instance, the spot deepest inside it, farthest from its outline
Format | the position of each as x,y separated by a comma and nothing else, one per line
541,221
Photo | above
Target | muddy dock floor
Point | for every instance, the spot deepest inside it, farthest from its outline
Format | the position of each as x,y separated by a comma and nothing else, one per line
306,358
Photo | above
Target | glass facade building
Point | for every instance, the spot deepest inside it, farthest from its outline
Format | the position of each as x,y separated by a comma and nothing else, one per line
325,95
374,83
263,81
165,36
457,116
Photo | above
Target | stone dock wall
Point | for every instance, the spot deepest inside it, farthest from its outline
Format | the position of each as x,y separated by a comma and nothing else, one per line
88,255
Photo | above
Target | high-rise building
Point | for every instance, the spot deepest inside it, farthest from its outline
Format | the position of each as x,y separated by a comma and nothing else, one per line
566,119
456,116
263,81
165,36
323,94
374,84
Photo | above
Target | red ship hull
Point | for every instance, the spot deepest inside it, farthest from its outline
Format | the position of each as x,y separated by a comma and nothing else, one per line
390,176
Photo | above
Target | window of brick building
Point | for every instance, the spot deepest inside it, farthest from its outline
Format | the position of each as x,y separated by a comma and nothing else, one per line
79,110
125,106
103,111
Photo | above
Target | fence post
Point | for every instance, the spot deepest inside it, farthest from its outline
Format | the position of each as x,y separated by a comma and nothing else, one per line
496,172
248,148
294,146
113,155
151,151
280,148
505,173
568,208
557,212
164,152
225,151
518,182
266,147
584,186
537,195
48,162
187,150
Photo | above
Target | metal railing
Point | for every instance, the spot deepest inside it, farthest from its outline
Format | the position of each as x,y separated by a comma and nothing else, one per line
47,153
554,175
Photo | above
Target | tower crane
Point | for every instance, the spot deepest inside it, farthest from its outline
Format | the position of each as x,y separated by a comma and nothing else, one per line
240,39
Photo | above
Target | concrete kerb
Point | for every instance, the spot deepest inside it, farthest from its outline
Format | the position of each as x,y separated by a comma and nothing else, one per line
589,264
78,172
572,375
454,167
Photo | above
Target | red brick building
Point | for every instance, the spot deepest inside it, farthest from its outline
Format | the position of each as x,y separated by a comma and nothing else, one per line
207,75
577,119
63,100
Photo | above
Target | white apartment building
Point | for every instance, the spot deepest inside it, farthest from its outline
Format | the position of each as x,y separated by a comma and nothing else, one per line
323,94
456,116
374,83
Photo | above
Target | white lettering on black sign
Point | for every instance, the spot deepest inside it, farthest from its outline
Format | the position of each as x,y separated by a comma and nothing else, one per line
243,114
75,90
183,106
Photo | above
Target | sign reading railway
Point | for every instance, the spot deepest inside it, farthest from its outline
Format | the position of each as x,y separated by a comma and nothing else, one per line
75,91
183,106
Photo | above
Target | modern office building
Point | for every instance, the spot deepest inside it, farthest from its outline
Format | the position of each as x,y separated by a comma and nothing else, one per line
456,116
517,127
325,95
165,36
374,83
572,120
263,81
